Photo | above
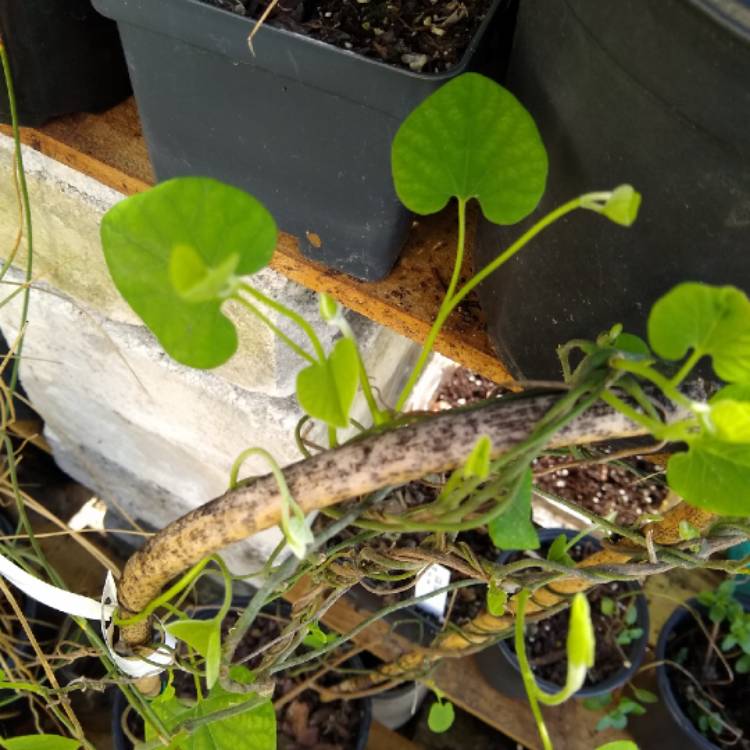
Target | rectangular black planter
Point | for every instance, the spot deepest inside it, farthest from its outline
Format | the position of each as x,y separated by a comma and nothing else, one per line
64,58
303,126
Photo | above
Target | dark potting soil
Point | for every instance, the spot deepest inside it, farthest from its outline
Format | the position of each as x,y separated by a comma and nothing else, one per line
306,722
459,387
688,647
428,36
605,489
546,639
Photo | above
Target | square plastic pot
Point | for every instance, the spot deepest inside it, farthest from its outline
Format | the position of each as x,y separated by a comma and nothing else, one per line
303,126
64,58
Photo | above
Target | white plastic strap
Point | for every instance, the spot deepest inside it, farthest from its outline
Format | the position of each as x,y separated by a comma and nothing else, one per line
84,606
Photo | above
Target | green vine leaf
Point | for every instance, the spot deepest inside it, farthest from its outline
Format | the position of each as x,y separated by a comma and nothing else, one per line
497,600
172,252
622,206
470,139
478,461
253,729
513,529
205,637
619,745
39,742
326,390
441,716
709,320
714,475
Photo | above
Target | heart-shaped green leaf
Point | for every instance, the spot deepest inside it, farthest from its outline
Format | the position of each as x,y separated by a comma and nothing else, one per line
441,716
254,729
171,252
326,390
714,475
470,139
709,320
205,637
622,206
513,528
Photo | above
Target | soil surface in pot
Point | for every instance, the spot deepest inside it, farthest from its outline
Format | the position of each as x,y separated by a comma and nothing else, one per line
688,647
427,36
628,490
546,639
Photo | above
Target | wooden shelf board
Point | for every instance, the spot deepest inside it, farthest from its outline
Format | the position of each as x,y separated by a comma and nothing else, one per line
110,148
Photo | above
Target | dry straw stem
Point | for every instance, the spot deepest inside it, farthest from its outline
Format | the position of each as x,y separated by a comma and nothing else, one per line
436,444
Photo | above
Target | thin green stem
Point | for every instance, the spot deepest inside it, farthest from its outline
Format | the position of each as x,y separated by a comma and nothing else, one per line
378,416
287,313
646,371
293,345
686,368
21,174
442,314
527,675
167,596
654,427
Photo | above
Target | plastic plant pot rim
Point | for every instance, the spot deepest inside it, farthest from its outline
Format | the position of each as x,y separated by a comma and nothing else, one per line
677,618
160,19
637,650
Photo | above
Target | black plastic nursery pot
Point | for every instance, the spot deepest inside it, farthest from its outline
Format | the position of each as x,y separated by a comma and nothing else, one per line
64,58
303,126
679,728
654,94
278,608
499,664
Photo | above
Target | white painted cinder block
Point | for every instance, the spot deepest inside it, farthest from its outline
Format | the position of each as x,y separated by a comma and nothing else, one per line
123,418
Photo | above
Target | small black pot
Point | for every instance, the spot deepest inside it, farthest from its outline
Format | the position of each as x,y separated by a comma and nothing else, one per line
651,93
499,665
680,725
64,58
278,607
304,126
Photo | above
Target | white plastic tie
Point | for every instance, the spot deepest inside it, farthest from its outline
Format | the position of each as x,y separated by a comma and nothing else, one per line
90,609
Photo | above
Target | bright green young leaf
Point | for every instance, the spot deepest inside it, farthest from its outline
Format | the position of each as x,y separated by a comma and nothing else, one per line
622,206
478,462
513,529
581,641
713,475
316,638
441,716
329,308
558,552
709,320
597,702
632,344
687,531
205,637
326,391
607,606
731,420
733,392
497,600
194,281
254,729
645,696
39,742
470,139
194,216
619,745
